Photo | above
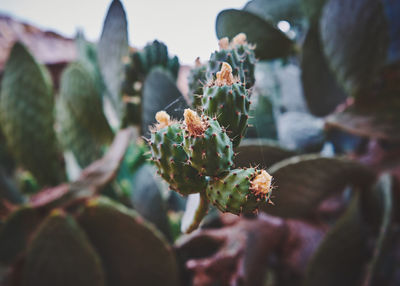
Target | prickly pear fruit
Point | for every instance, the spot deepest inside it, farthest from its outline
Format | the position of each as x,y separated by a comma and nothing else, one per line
207,144
239,54
166,145
241,191
229,102
196,80
26,114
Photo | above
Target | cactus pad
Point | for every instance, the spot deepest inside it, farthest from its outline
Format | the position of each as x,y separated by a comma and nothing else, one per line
239,54
171,159
229,102
60,254
196,81
241,191
26,114
84,102
132,252
207,144
16,231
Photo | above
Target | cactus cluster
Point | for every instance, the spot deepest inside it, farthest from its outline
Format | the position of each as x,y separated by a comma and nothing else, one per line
196,155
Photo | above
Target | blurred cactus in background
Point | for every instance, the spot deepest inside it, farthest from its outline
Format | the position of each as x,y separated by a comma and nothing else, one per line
277,165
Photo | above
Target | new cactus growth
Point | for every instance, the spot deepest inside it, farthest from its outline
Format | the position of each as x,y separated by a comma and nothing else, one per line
228,100
208,146
239,54
241,191
166,145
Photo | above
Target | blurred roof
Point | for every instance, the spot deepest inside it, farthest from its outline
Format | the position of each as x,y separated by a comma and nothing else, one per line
48,47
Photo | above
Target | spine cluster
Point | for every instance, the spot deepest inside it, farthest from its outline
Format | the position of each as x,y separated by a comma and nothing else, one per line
196,155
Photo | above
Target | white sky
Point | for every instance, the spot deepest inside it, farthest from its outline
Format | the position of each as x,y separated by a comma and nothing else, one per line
187,27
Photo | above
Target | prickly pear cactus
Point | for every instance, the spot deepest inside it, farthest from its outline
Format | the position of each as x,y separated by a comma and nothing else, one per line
241,191
166,145
228,100
84,102
239,54
26,108
196,81
153,55
208,146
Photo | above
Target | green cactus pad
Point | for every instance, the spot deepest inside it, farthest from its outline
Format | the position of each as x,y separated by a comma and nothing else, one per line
196,80
60,254
211,152
172,161
132,252
233,193
230,105
16,232
84,102
26,114
75,137
242,59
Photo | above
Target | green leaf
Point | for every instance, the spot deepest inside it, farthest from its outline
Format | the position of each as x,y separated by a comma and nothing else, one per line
112,49
26,115
15,233
303,182
60,254
132,251
270,42
147,199
260,152
276,10
321,90
341,256
160,93
356,56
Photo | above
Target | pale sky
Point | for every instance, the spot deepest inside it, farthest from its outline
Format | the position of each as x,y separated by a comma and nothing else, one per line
187,27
